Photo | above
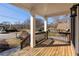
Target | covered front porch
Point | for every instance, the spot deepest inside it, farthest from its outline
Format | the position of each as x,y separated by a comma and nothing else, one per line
46,46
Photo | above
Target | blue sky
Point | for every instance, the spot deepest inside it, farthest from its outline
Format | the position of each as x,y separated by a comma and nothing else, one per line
12,14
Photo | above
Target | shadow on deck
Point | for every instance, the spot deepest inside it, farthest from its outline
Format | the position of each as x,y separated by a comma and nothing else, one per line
52,43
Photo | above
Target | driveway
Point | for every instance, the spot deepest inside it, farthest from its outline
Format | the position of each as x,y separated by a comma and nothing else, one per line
7,36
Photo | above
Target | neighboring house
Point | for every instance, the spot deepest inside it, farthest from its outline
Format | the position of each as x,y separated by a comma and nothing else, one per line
63,26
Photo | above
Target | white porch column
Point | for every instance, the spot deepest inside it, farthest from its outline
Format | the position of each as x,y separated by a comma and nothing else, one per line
45,25
32,27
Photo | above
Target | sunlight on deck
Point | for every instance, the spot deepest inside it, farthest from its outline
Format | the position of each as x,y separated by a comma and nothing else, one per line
58,48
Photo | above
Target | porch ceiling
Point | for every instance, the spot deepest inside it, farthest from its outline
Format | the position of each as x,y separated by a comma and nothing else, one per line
45,9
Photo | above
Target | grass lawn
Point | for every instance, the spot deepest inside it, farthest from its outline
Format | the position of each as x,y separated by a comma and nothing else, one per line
13,42
54,34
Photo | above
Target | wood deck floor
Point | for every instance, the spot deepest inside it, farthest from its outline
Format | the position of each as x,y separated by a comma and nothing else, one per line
48,48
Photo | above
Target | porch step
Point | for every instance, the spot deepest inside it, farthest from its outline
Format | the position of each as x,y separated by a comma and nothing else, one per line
41,41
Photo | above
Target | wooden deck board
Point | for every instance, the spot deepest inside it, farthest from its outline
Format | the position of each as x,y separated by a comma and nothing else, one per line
57,48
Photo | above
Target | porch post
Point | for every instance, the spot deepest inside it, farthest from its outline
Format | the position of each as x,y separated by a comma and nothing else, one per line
45,25
32,27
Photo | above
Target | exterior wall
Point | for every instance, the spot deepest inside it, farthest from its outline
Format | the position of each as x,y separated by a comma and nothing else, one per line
77,31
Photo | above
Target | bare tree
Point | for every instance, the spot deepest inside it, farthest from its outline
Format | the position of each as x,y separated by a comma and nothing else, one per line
26,24
39,24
